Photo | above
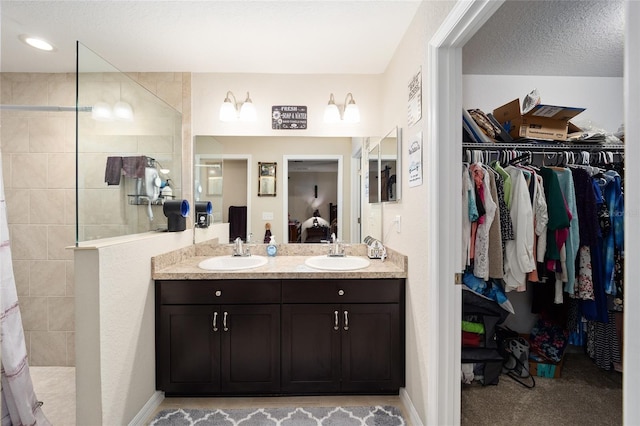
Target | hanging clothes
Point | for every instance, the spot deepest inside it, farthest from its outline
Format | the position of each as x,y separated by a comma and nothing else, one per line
482,184
557,229
589,231
611,185
496,265
469,215
519,257
506,227
572,244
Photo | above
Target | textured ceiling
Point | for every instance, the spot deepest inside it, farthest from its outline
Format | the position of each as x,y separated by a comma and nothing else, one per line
556,38
537,37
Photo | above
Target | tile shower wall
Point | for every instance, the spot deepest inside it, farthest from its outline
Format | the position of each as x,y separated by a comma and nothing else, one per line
38,154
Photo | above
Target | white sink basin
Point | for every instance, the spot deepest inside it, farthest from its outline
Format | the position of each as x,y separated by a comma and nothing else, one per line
232,263
347,263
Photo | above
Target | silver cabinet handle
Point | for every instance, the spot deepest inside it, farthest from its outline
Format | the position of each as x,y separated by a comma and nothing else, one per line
224,322
336,326
215,321
218,293
346,320
340,292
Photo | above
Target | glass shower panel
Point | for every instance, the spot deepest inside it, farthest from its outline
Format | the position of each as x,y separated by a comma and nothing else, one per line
128,149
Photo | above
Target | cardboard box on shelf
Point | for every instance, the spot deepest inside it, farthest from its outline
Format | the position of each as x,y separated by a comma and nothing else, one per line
546,122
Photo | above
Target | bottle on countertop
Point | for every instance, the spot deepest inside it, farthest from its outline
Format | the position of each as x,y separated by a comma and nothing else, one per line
167,192
272,248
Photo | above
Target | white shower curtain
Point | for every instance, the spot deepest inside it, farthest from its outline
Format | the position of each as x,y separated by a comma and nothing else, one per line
19,403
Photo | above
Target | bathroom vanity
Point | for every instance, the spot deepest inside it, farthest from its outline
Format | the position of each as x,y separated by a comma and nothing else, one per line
279,329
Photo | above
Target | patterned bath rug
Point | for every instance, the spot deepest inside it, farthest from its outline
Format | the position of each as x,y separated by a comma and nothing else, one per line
292,416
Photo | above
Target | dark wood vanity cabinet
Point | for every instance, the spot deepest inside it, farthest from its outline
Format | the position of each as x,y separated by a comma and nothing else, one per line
218,337
270,337
342,336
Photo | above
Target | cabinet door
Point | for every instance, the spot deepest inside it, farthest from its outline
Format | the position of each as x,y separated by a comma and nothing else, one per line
310,348
188,349
371,348
250,348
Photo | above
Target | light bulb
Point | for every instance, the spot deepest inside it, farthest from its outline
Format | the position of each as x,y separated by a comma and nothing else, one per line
122,111
352,113
101,111
248,111
331,113
228,111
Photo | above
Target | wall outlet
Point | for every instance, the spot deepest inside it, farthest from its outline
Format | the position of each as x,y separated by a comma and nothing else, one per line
397,220
267,215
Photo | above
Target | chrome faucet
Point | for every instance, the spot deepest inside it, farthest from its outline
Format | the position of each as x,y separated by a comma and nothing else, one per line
238,249
337,248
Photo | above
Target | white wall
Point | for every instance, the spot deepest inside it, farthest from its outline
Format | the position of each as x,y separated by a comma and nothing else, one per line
411,56
267,90
115,325
302,201
601,96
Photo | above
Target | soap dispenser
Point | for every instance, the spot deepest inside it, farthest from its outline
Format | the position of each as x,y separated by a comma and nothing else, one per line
272,249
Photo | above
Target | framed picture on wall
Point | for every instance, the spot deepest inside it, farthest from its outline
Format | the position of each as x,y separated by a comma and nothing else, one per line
267,179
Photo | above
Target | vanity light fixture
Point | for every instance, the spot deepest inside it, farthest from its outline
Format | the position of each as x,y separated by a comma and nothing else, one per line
229,109
351,112
101,111
37,42
121,111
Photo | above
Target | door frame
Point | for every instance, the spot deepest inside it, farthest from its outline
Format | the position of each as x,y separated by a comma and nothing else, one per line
248,159
285,187
445,133
356,196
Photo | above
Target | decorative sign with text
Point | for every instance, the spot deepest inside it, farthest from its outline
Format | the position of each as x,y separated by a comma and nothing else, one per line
414,104
289,117
415,160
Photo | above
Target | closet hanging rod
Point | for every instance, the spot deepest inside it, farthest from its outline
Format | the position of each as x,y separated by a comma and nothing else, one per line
543,146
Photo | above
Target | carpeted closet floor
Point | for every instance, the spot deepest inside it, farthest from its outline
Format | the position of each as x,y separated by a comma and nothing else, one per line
583,395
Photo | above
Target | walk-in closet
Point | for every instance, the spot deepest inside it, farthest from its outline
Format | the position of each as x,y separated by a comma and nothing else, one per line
542,258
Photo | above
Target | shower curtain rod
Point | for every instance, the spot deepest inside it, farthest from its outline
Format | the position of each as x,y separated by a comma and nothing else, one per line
46,108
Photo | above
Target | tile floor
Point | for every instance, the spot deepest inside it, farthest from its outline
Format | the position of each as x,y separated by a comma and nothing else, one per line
56,387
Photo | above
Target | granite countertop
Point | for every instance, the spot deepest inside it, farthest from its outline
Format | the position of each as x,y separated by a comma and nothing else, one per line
288,264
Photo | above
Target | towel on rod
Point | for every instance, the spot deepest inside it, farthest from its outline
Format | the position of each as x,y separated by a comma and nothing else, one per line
113,170
134,166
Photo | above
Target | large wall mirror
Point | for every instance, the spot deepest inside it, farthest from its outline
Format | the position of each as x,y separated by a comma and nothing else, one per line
314,181
390,167
373,174
384,183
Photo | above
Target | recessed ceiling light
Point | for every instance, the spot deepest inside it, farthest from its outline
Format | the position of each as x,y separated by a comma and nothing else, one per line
37,42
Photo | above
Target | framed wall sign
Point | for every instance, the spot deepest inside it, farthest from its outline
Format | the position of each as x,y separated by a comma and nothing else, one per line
267,179
291,117
414,105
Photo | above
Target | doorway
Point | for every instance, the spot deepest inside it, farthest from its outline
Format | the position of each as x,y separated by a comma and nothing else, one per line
445,62
317,185
225,180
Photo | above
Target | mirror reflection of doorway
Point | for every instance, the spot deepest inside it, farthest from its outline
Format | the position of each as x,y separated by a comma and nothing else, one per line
312,199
